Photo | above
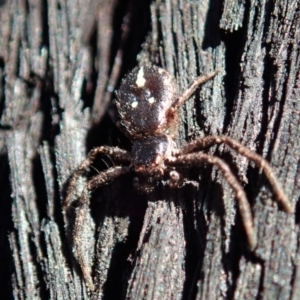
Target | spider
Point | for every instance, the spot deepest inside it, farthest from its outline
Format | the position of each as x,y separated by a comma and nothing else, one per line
147,102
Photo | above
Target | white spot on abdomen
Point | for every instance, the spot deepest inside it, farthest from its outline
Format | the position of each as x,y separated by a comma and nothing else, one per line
151,100
134,104
140,79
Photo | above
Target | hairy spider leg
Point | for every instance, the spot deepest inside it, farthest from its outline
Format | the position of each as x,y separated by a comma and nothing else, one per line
210,141
193,159
115,153
99,180
191,88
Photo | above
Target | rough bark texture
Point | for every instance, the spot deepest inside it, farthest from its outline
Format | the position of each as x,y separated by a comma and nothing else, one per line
60,63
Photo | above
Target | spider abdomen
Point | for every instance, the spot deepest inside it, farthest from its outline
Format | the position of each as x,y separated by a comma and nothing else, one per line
144,101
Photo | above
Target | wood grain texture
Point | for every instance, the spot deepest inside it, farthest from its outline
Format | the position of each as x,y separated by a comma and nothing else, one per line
60,63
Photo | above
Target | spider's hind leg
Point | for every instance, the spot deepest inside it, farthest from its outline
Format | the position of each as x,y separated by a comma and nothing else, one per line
81,214
191,88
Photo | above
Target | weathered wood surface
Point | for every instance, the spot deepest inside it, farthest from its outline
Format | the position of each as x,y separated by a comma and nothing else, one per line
60,63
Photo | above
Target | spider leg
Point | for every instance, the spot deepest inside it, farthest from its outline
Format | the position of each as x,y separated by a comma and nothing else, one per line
251,155
192,87
114,152
81,214
244,207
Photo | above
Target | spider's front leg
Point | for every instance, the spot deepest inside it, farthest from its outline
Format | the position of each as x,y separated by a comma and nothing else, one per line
210,141
115,153
195,159
81,214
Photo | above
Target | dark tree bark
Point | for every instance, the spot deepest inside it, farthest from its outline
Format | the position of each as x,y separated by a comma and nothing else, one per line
60,63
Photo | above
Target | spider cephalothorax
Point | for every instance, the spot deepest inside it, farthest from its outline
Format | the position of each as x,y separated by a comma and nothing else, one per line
147,102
